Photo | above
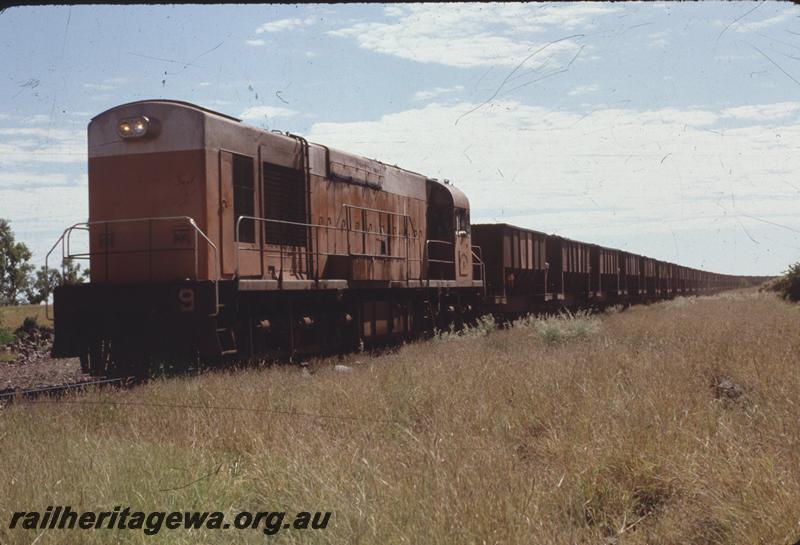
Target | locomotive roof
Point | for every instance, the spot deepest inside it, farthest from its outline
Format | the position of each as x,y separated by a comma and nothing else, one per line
169,101
458,195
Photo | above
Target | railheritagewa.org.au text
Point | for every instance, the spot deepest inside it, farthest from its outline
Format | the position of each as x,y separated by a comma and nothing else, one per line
152,522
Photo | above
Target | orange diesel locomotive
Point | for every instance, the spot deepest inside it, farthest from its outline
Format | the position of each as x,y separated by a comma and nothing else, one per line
209,238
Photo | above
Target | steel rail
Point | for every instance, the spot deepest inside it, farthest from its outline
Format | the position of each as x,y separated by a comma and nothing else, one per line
12,394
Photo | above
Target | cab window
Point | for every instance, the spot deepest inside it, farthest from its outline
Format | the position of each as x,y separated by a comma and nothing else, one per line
462,220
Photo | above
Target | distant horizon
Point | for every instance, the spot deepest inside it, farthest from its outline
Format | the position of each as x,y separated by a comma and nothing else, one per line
664,129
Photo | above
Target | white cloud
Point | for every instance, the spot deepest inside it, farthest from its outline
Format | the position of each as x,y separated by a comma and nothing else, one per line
746,25
255,43
32,131
614,176
583,89
261,112
20,145
658,40
393,11
36,119
39,214
27,179
466,35
763,112
437,91
284,24
98,86
732,58
204,84
568,16
755,26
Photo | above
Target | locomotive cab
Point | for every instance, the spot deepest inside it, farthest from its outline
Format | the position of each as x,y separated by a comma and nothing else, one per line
449,246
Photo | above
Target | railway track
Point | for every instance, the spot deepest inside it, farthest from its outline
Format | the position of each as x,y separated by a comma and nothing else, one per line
12,394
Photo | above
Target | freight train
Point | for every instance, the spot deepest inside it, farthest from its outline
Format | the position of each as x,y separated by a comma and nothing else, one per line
209,240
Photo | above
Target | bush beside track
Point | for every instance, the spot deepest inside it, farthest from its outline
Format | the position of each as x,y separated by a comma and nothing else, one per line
788,285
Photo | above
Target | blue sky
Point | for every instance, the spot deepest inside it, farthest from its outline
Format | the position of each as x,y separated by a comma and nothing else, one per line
666,129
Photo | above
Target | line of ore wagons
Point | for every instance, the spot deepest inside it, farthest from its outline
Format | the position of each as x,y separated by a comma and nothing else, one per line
524,268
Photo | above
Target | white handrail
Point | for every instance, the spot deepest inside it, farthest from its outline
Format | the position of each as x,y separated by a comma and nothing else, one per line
66,252
317,226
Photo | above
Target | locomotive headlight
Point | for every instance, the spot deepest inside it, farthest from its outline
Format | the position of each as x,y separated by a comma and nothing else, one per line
137,127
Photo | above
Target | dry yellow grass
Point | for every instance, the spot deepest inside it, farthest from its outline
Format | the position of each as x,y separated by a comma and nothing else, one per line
673,423
12,317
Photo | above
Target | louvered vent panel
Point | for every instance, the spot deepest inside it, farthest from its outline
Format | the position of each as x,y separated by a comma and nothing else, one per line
284,199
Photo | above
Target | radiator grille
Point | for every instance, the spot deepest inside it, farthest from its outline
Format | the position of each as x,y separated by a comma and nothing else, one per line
284,199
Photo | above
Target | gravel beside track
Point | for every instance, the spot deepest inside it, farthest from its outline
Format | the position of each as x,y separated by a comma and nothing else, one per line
41,373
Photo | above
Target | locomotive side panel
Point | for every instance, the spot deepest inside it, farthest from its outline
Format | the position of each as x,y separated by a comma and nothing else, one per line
320,213
379,229
240,158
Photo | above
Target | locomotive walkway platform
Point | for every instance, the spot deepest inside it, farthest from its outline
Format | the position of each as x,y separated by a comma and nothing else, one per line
260,284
